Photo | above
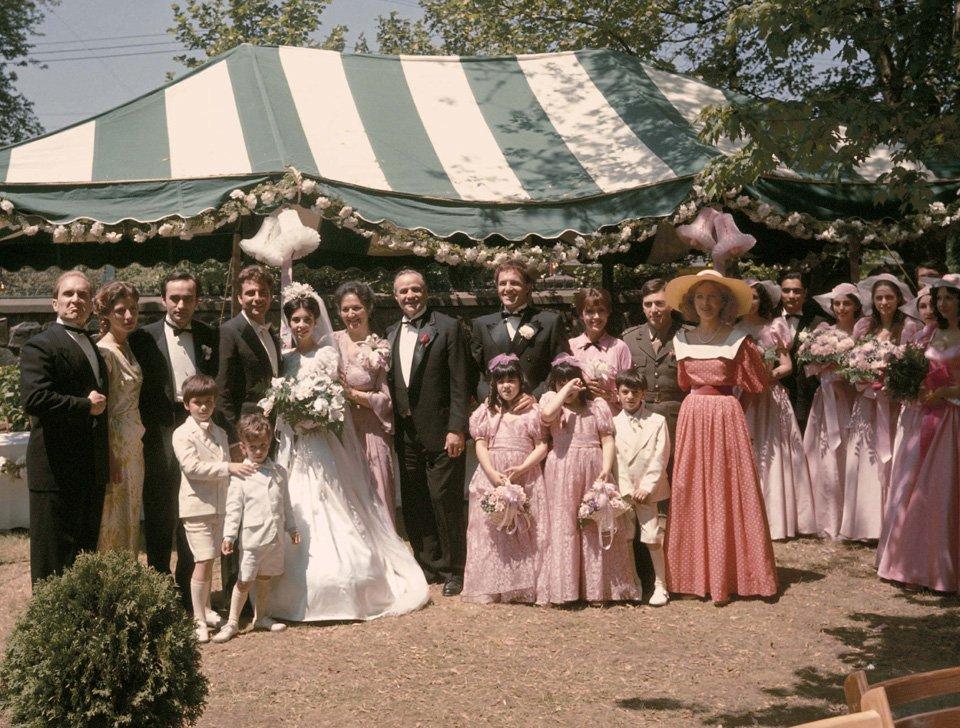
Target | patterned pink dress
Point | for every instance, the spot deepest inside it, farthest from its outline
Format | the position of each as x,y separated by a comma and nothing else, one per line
873,423
825,445
502,566
718,542
923,544
374,424
575,566
778,445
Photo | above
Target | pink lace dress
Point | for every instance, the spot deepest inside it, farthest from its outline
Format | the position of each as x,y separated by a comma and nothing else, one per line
778,445
611,351
717,542
373,424
575,565
502,566
825,445
873,423
923,540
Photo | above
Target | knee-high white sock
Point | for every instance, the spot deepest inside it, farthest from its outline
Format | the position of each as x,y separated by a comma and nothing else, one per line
199,593
659,567
237,600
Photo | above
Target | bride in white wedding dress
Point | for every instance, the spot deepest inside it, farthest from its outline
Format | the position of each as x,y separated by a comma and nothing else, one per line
350,563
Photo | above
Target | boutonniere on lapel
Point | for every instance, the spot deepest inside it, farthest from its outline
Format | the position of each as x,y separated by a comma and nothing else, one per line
426,335
528,331
206,351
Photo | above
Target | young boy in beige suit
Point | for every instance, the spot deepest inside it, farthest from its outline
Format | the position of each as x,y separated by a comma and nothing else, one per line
258,511
643,450
203,451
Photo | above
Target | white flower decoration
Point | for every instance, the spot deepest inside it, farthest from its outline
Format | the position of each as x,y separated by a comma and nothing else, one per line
207,351
527,331
6,206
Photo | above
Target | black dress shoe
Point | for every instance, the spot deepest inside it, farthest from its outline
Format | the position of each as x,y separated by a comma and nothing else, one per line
453,586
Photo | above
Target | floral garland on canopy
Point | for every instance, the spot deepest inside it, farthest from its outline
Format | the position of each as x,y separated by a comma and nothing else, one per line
294,188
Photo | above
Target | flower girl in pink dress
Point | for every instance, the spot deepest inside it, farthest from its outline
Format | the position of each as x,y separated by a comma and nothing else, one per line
576,564
502,557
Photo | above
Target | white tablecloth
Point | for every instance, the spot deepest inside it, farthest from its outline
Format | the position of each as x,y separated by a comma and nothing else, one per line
14,499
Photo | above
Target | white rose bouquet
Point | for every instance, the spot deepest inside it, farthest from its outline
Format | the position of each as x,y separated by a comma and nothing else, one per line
374,353
315,398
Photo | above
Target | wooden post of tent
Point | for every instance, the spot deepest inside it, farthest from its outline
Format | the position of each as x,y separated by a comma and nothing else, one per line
853,256
606,276
235,269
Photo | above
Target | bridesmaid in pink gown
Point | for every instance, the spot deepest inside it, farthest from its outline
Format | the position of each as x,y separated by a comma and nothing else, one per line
923,541
825,439
873,420
773,428
364,360
595,345
575,565
718,541
502,563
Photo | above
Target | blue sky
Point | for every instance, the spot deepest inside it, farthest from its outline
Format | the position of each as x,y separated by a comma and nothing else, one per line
68,91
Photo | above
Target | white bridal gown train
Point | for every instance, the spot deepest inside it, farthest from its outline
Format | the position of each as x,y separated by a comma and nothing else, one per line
350,563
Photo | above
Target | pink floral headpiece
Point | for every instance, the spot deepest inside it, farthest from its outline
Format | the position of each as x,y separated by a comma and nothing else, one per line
501,359
564,359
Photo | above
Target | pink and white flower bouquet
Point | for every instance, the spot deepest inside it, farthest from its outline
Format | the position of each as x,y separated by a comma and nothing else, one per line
600,371
867,362
315,398
603,504
506,505
374,353
823,347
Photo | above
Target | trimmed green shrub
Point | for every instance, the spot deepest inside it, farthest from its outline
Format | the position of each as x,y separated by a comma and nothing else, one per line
105,644
12,416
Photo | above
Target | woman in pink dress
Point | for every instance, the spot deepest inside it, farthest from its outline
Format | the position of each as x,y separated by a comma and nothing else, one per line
923,541
773,428
502,559
364,360
718,540
873,420
576,565
601,356
825,439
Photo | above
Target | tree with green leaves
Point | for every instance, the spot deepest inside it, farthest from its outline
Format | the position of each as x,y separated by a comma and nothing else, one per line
18,25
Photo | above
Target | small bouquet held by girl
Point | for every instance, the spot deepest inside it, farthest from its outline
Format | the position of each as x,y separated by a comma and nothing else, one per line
907,371
603,503
866,364
314,399
822,348
506,505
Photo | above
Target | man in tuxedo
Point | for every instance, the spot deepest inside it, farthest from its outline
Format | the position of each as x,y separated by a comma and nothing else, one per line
428,381
800,314
169,351
63,387
534,335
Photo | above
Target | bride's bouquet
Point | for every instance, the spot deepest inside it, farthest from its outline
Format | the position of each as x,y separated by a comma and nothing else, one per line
506,506
374,353
867,362
906,373
315,398
602,503
824,346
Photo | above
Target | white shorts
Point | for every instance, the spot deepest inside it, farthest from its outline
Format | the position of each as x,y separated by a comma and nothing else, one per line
261,561
204,535
652,522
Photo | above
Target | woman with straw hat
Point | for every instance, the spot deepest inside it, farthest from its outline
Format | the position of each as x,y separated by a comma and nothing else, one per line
718,541
873,420
921,545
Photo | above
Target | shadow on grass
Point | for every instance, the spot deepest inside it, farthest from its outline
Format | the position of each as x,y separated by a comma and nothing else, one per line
885,645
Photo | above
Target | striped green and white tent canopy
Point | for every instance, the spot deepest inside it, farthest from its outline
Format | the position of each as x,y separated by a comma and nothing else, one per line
510,145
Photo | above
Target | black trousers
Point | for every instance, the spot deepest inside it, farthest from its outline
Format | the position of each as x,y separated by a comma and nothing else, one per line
61,526
431,490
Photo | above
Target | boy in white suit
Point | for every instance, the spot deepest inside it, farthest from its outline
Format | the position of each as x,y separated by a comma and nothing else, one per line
259,511
643,450
203,451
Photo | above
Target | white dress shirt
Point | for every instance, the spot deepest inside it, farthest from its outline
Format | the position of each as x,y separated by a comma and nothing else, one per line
182,356
408,342
792,321
513,321
86,346
263,333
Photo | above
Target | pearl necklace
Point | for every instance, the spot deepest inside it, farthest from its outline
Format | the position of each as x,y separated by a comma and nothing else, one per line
713,338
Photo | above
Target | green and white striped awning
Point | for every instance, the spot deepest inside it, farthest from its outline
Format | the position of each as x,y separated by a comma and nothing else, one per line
510,145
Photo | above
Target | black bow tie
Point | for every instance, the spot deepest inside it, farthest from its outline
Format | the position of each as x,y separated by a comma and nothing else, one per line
415,322
77,330
511,314
792,316
176,330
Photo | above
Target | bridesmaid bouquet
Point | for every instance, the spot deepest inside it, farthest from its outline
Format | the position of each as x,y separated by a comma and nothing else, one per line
506,506
315,398
867,362
600,371
374,353
824,346
602,503
906,372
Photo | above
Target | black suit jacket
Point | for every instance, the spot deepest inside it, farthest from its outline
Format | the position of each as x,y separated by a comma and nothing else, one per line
68,450
158,398
489,337
244,371
439,380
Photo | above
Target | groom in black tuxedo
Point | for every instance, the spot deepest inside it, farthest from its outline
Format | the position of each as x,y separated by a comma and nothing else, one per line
428,381
534,335
63,387
169,351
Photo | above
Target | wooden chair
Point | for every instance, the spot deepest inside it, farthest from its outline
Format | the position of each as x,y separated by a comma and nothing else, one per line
907,689
875,714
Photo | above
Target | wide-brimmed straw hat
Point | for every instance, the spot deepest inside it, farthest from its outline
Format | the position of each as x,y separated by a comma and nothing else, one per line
679,287
867,284
841,289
